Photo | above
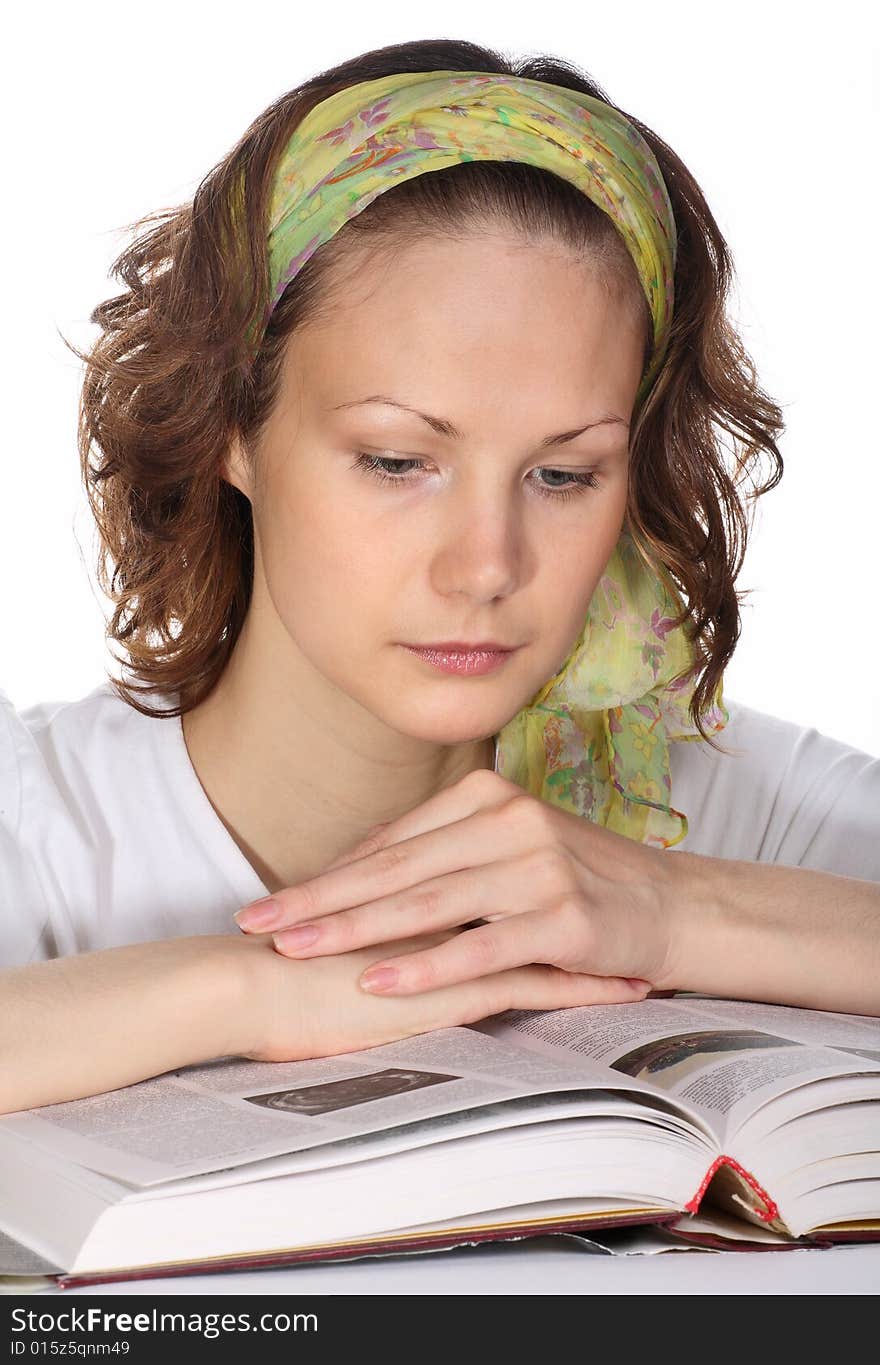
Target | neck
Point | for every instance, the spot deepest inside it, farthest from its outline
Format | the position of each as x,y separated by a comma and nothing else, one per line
298,773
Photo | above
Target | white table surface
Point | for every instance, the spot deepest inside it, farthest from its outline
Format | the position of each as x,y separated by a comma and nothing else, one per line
543,1265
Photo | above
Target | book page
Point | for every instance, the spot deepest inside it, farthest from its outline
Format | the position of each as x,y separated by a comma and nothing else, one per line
855,1033
724,1058
230,1111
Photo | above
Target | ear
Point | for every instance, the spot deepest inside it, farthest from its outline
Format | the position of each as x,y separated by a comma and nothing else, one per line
234,468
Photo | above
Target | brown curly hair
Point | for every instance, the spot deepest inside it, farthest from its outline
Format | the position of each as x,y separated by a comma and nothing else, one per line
171,380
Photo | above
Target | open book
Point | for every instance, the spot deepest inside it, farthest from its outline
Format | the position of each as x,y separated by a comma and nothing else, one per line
730,1123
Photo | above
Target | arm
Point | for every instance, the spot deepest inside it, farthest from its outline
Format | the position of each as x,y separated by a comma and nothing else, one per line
781,934
79,1025
97,1021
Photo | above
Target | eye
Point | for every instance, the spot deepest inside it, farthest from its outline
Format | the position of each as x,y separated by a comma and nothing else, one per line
377,466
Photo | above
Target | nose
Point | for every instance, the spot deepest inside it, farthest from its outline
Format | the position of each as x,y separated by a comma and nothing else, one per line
481,552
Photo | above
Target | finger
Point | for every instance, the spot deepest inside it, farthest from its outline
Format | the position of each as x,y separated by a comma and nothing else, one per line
553,988
479,838
535,987
478,790
490,893
371,843
537,938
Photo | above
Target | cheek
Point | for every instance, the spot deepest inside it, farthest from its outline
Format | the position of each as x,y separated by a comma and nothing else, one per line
579,563
323,571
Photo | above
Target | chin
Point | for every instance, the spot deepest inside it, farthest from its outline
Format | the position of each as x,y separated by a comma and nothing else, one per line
452,735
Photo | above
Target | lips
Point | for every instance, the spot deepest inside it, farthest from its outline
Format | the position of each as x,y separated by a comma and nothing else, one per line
467,661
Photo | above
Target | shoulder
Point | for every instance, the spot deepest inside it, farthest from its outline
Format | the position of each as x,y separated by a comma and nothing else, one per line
783,792
61,749
65,786
106,834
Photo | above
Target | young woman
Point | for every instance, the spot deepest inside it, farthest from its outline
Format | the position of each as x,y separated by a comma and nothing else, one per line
403,444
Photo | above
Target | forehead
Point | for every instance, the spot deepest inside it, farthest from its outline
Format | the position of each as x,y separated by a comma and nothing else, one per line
482,316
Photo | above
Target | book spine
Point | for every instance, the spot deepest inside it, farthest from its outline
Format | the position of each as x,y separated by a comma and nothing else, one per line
769,1213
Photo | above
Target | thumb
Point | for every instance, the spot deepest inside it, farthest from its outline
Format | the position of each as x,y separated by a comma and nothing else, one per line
369,843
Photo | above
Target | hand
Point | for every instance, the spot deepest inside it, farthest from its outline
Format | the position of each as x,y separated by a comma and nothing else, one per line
290,1011
582,914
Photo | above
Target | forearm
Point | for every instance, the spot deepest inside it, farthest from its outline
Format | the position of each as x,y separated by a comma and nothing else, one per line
80,1025
760,931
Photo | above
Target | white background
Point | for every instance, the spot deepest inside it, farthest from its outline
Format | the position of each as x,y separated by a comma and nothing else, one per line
112,111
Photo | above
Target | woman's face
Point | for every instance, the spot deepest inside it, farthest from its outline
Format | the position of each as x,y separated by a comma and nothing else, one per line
510,349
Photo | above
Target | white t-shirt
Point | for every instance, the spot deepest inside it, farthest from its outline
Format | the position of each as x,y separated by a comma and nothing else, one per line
108,837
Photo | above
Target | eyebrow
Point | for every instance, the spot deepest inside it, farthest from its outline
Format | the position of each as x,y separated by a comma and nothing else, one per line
443,427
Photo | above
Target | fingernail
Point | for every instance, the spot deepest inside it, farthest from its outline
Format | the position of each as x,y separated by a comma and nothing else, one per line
300,937
379,978
259,915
